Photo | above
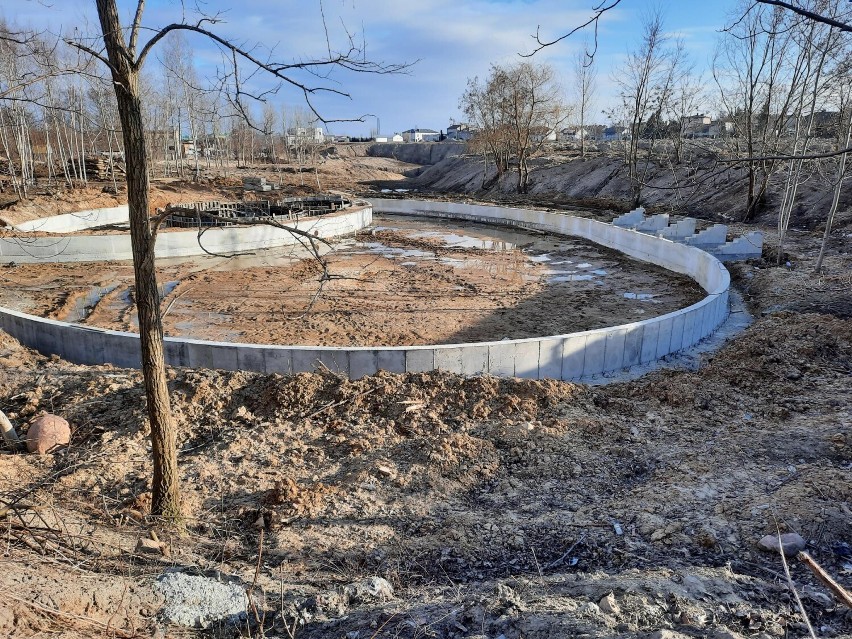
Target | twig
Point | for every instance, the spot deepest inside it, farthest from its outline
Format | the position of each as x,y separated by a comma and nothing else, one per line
839,591
565,556
341,402
793,587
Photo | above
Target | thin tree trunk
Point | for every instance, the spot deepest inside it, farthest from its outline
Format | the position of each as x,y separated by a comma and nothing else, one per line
165,480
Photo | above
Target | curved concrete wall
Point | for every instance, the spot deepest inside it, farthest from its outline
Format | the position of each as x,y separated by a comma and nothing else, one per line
570,357
224,240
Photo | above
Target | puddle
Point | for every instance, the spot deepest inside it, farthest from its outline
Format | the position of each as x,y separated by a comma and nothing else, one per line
584,265
540,258
84,305
639,296
557,279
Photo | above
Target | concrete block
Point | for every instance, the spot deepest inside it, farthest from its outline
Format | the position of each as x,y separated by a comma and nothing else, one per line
177,353
713,236
631,219
450,359
573,357
614,353
678,231
595,358
649,342
633,345
200,354
363,363
664,336
278,360
678,323
392,361
420,360
335,360
550,358
689,328
224,357
527,355
653,224
250,358
304,360
501,359
474,360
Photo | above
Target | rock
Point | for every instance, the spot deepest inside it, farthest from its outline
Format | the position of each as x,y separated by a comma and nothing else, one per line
196,601
791,543
508,599
666,634
47,433
370,589
609,605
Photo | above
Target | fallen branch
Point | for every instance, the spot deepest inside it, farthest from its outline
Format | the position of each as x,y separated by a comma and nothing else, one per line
839,591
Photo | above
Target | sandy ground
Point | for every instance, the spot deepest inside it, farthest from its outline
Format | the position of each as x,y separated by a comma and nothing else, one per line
493,507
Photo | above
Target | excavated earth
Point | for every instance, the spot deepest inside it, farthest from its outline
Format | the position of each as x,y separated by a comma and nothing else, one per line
492,507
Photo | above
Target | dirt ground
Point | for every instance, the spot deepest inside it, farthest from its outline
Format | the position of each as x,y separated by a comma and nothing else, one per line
494,507
401,282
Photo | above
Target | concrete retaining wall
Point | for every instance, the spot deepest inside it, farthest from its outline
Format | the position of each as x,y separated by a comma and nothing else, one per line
570,357
224,240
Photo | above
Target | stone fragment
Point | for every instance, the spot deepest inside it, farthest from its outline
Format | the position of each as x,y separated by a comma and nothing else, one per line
791,543
609,605
47,433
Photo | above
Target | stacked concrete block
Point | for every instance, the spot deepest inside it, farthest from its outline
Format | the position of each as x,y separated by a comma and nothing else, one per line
715,236
653,224
631,219
746,247
678,231
256,184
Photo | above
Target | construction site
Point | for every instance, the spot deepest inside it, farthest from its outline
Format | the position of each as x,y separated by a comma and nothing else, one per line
460,417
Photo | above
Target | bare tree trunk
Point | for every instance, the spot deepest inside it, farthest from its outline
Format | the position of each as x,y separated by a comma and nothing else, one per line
165,480
841,170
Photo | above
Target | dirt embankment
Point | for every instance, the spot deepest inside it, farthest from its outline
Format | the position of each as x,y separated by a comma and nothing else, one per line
701,188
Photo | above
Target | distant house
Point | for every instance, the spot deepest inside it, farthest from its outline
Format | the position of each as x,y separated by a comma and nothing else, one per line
542,134
397,138
380,139
696,126
420,135
459,132
570,134
303,135
612,133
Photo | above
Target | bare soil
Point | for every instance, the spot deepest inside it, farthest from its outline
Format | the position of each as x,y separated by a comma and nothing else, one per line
402,284
493,506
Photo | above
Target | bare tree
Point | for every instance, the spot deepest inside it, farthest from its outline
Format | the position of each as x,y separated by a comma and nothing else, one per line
518,110
585,85
123,50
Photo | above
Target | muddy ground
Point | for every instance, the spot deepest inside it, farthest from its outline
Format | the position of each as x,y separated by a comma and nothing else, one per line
402,281
492,507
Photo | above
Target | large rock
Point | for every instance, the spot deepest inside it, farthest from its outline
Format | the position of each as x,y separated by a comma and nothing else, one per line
47,433
790,543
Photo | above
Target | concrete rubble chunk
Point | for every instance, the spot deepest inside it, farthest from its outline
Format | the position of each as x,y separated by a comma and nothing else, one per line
198,602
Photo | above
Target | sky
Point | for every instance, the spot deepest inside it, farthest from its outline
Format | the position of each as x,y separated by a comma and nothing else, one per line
446,42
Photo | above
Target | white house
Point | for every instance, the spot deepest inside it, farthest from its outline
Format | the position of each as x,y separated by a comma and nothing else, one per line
397,138
461,132
420,135
571,134
382,138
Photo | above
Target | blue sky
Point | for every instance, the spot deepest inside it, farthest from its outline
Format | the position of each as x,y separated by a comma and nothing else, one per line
451,39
